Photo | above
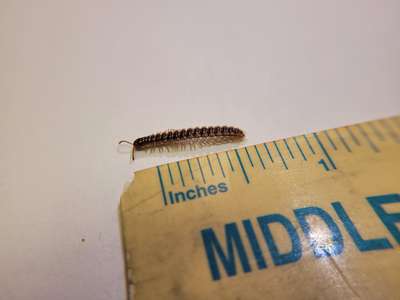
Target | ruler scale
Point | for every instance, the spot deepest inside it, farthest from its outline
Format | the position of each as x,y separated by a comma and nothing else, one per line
312,216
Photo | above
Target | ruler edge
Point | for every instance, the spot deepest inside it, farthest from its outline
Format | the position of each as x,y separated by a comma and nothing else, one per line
139,172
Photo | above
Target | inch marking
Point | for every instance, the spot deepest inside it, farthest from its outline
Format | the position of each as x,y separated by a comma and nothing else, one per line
323,163
220,165
180,173
162,185
330,140
269,154
288,148
353,137
342,140
190,169
376,131
241,165
309,144
170,175
201,170
279,152
324,150
300,150
366,136
248,155
230,162
259,156
209,164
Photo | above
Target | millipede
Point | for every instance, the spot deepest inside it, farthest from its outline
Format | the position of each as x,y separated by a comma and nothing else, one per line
172,136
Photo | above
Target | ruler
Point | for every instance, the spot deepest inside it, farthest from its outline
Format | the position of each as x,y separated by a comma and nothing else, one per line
315,216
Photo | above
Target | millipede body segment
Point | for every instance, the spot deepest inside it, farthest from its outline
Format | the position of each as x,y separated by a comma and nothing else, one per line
178,135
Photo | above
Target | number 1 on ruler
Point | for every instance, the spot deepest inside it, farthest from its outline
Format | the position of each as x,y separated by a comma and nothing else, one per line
324,164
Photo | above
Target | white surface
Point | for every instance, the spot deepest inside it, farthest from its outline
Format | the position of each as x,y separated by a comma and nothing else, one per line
77,76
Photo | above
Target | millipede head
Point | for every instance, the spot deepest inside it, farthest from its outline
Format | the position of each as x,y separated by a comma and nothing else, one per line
133,146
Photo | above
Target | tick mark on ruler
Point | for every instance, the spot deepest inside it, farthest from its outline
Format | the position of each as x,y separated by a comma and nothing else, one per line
300,150
201,170
230,162
241,166
269,154
190,169
259,157
170,175
220,165
280,154
342,139
180,173
324,150
330,140
309,144
353,137
288,148
389,129
248,155
376,131
162,185
209,164
366,136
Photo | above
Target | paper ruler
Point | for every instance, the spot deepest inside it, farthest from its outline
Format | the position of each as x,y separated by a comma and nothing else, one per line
315,216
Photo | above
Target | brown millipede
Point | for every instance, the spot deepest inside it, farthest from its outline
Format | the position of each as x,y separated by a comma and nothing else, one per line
177,135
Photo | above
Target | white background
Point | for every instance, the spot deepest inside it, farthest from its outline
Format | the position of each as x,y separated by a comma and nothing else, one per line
77,76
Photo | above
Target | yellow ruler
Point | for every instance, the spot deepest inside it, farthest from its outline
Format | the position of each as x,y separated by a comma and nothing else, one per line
315,216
